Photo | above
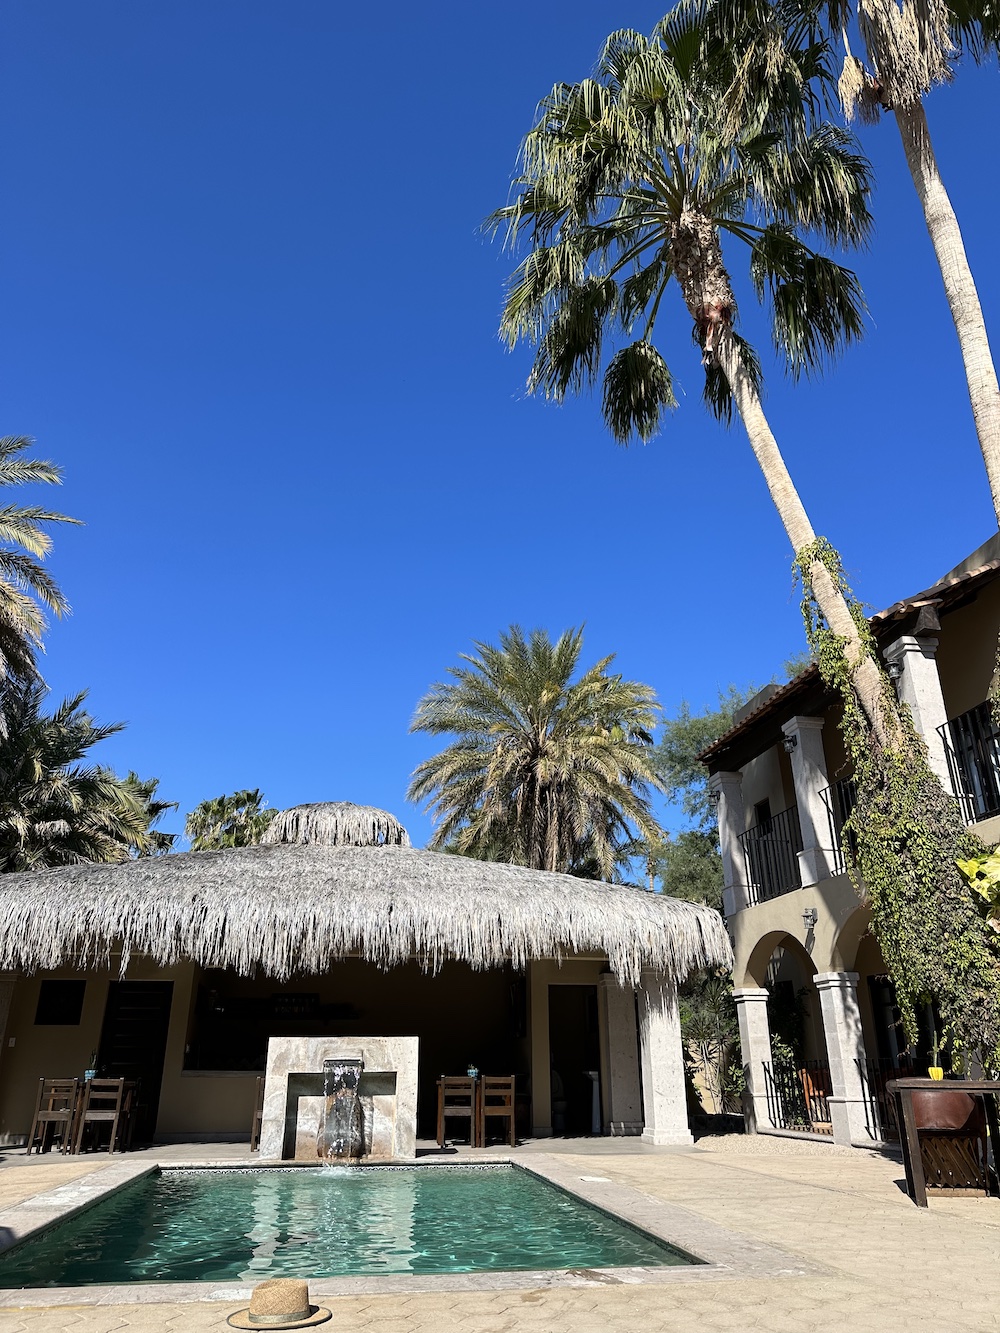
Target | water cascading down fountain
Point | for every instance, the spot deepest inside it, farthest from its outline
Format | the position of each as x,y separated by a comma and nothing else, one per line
341,1135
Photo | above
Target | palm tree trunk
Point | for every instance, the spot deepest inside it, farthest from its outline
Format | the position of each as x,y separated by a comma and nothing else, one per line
866,676
959,286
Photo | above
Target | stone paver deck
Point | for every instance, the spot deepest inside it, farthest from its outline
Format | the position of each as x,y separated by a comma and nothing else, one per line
876,1264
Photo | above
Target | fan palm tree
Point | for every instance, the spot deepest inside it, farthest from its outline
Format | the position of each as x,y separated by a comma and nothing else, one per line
26,588
911,46
236,820
55,809
548,771
630,180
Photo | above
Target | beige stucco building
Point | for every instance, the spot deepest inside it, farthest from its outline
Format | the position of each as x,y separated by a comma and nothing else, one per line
804,957
176,970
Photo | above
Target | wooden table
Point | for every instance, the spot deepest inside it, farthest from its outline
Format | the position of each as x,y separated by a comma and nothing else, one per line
903,1089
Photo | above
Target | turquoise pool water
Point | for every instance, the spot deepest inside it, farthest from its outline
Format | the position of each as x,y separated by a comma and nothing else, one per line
183,1226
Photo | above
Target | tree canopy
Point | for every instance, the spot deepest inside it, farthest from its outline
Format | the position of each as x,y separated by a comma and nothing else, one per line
56,808
27,590
235,820
552,767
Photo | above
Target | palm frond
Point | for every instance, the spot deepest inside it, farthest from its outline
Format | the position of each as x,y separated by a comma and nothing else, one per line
638,391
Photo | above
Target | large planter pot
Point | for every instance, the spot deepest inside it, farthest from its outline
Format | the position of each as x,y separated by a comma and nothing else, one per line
954,1111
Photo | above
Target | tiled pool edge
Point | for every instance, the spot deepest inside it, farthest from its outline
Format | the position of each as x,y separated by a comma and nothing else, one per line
40,1211
723,1254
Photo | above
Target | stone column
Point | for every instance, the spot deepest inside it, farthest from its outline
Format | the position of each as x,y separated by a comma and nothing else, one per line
728,791
664,1096
845,1045
622,1094
919,686
755,1042
817,858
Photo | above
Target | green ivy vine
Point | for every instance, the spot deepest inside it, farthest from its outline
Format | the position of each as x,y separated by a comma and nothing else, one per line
908,836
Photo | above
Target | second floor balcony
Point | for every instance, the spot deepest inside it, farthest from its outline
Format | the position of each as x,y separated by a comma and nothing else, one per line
771,849
972,745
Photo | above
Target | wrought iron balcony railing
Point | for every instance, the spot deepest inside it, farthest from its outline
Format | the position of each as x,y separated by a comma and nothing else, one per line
771,851
972,744
839,799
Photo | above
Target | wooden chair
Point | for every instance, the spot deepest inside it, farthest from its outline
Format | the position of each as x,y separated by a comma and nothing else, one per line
55,1110
258,1115
496,1102
816,1088
106,1101
457,1100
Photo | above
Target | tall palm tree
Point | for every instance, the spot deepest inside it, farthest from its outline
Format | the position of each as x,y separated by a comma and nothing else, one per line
548,771
630,180
236,820
26,588
911,45
55,808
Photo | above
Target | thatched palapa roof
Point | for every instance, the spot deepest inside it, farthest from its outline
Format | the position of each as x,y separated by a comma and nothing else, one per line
285,909
336,824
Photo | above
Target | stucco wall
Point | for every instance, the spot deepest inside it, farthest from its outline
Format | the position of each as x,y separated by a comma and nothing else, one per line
459,1015
542,975
967,651
758,930
768,777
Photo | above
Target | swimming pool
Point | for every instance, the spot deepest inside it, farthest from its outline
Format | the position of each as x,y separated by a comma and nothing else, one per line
220,1224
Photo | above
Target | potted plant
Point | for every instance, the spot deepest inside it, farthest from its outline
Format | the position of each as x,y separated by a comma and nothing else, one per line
935,1071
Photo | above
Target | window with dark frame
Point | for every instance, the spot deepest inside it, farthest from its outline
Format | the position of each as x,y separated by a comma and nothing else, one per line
60,1003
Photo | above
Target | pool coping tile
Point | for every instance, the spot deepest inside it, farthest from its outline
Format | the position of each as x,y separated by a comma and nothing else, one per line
720,1252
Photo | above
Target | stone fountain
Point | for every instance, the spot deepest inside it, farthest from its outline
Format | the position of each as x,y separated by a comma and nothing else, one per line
340,1099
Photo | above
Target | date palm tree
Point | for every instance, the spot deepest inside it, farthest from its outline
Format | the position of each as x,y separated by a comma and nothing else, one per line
629,182
548,771
911,46
236,820
158,843
27,590
57,809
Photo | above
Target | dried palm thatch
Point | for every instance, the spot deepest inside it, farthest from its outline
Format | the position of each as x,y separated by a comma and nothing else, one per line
283,910
336,824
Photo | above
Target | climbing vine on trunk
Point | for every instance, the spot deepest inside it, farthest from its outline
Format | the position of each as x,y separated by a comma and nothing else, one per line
908,834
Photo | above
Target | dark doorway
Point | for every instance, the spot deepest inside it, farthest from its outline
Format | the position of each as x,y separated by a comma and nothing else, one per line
134,1042
575,1056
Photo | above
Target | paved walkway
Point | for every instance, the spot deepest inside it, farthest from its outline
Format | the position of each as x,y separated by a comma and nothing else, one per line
880,1264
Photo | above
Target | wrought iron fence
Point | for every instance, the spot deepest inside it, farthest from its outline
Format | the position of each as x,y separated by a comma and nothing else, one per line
880,1106
771,851
972,745
839,799
798,1098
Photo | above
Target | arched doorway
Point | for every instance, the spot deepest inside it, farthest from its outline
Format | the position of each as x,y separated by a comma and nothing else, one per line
797,1076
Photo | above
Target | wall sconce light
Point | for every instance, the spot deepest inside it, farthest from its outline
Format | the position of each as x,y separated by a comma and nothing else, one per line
895,670
809,918
789,743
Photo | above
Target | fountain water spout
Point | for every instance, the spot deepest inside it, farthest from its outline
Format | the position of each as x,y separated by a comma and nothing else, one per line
341,1132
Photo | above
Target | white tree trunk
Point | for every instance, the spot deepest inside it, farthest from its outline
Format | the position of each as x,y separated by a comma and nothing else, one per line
959,286
866,677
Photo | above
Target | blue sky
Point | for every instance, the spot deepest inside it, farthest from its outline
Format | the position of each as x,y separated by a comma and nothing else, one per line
249,311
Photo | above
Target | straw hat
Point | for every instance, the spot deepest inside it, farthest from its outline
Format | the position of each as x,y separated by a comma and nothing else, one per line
281,1302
